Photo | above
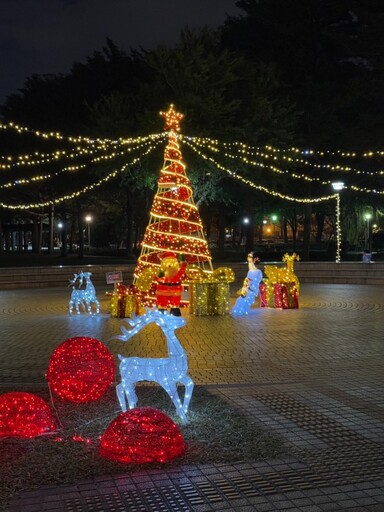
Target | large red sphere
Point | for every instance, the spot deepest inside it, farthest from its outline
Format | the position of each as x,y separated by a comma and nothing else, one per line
81,370
24,415
142,435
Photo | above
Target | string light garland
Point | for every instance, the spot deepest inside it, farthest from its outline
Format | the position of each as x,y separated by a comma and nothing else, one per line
262,188
293,150
80,370
76,139
140,436
82,191
244,152
25,415
72,168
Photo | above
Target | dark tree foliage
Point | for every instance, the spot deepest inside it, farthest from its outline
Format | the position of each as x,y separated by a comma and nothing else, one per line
330,58
285,73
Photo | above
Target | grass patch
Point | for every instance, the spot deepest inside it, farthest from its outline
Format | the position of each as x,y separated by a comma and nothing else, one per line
216,433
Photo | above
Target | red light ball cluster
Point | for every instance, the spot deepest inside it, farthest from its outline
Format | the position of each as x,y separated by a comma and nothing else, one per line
142,435
24,415
81,370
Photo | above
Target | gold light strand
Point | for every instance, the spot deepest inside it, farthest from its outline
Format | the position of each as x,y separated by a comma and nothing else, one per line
304,177
72,168
269,153
74,139
78,193
259,187
37,158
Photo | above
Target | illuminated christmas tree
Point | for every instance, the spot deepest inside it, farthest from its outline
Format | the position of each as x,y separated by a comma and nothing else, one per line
174,223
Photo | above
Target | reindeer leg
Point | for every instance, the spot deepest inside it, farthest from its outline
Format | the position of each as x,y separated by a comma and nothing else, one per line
97,305
131,395
70,306
189,385
171,389
121,396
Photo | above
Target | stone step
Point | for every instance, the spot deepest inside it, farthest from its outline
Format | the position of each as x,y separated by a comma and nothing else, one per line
307,272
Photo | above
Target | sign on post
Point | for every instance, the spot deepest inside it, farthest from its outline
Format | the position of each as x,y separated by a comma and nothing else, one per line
114,277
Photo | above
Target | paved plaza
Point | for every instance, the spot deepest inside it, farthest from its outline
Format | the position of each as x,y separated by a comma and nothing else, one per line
315,376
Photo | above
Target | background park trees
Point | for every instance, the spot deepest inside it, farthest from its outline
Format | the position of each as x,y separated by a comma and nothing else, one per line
296,73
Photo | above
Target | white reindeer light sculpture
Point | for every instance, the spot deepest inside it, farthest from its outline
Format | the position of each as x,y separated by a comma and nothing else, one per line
166,371
83,297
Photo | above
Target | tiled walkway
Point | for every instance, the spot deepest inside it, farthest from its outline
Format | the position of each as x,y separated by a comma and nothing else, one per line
313,375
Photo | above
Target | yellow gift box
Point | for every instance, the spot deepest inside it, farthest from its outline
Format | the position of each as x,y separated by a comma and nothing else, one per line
209,292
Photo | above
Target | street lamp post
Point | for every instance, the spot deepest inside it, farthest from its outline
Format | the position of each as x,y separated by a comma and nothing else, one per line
337,186
60,226
367,232
274,220
88,220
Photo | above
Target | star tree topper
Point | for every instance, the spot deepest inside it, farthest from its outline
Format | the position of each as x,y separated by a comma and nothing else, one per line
172,119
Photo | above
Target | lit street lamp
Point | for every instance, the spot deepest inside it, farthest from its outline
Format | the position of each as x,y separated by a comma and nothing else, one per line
274,220
60,226
88,220
367,237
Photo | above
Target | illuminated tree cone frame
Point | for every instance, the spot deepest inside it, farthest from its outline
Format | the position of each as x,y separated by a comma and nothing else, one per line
81,370
174,223
24,415
140,436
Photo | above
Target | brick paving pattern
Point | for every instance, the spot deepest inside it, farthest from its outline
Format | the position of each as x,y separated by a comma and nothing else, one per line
315,376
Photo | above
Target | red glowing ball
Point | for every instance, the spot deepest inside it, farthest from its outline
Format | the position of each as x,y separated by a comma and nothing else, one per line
81,370
142,435
24,415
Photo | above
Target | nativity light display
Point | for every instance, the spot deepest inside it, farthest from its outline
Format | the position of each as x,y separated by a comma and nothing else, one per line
165,371
250,289
141,436
25,415
83,297
81,370
174,223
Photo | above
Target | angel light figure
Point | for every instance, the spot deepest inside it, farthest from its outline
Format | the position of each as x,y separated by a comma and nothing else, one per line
166,371
250,289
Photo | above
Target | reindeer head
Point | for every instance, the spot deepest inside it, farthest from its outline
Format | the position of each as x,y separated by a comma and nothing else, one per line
75,278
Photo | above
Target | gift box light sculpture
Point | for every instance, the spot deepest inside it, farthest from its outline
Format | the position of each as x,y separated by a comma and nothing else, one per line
209,290
140,436
166,371
281,288
24,415
83,297
81,370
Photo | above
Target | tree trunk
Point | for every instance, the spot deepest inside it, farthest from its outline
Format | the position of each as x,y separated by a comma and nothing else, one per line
221,227
285,230
40,225
307,232
249,234
129,214
320,218
50,240
81,232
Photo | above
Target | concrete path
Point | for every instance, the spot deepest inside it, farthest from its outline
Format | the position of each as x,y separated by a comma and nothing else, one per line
313,375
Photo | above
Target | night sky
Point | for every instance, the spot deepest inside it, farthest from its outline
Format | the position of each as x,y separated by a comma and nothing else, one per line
47,36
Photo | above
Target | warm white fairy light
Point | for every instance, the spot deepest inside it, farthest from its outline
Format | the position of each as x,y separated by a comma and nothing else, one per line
250,183
82,191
